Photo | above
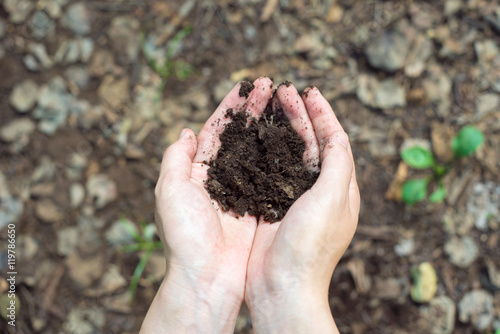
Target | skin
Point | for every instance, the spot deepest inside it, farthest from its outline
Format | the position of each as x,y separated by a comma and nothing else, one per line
215,260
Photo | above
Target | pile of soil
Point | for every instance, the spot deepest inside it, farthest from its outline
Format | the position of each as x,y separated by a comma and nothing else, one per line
259,167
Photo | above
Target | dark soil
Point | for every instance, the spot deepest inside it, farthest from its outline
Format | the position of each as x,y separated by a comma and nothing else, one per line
245,88
259,167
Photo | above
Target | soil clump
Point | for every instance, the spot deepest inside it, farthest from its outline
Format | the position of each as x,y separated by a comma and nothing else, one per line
259,167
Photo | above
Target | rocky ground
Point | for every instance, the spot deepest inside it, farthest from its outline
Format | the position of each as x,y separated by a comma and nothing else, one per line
84,122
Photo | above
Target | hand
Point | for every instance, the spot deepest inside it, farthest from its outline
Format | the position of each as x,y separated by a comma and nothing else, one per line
292,261
207,250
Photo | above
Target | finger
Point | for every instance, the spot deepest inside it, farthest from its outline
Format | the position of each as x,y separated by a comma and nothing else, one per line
177,159
259,97
264,237
336,170
321,114
295,110
239,98
208,138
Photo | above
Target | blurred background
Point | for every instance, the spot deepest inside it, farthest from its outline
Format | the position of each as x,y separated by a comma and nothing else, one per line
92,92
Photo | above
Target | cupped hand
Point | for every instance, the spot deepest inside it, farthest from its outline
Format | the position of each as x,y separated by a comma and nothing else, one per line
207,249
292,261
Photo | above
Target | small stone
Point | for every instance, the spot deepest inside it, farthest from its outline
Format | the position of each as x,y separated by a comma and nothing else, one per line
28,247
221,89
47,211
78,76
442,135
405,247
477,307
77,19
18,132
82,320
18,9
101,190
483,203
112,280
41,25
119,303
45,170
121,233
440,315
67,240
388,51
5,302
101,63
10,211
24,95
310,43
420,51
424,283
124,36
114,92
486,50
486,103
438,90
451,7
386,94
461,250
40,52
43,189
89,240
74,50
76,195
83,271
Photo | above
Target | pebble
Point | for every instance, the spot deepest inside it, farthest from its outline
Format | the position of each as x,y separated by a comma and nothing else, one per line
418,55
84,270
48,211
101,190
18,9
76,195
83,320
101,63
310,44
384,95
477,307
112,280
44,189
405,247
388,51
89,241
424,283
462,251
53,106
124,36
18,132
28,247
38,59
45,170
484,203
74,50
114,91
77,19
77,75
67,239
486,50
156,267
10,211
437,87
486,103
440,315
24,95
121,233
41,25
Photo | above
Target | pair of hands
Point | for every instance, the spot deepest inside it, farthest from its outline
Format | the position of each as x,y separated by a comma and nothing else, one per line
216,259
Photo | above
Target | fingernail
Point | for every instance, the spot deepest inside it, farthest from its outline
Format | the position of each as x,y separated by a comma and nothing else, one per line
343,139
183,133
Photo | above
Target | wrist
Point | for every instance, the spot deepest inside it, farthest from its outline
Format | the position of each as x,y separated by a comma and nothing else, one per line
290,310
188,303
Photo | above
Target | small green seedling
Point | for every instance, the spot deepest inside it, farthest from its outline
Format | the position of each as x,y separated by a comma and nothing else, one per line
145,243
463,145
169,67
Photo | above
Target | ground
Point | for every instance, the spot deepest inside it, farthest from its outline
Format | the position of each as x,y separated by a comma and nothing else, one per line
85,118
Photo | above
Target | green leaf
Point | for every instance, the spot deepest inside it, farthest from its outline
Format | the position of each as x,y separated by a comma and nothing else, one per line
176,41
414,191
467,141
418,157
438,195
